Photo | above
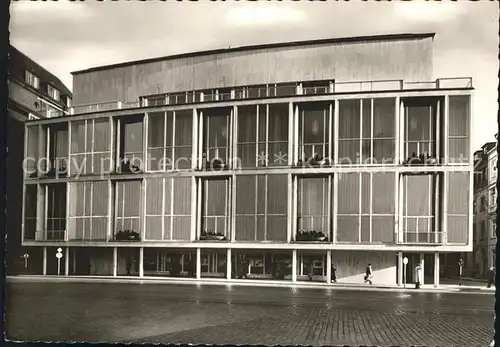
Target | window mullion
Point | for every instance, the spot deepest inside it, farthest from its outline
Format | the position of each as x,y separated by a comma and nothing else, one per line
172,208
371,133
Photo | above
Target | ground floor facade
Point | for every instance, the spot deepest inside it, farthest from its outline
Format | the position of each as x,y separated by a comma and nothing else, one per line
294,265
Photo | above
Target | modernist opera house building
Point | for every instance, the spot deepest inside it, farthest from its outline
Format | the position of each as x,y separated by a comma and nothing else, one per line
270,162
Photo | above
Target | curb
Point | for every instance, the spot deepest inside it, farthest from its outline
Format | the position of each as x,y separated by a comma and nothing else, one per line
247,283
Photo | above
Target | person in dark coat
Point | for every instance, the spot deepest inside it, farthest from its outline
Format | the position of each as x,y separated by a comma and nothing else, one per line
334,274
491,276
368,274
128,267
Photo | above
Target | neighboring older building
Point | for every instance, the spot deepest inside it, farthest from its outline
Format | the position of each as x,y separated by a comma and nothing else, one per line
272,161
34,93
476,263
492,202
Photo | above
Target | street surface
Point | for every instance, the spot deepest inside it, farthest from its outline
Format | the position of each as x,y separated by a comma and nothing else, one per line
211,314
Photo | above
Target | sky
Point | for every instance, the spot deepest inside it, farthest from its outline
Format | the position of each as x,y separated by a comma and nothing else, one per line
66,36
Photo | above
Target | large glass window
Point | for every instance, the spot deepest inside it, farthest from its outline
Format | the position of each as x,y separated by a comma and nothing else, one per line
315,133
55,213
312,205
247,135
367,131
32,151
216,207
349,132
420,209
170,137
217,137
366,207
127,208
88,211
275,145
421,122
30,210
458,130
261,208
58,148
263,135
168,208
458,207
130,144
90,147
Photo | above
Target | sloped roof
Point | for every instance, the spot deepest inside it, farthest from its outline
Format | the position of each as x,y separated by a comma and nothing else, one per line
19,61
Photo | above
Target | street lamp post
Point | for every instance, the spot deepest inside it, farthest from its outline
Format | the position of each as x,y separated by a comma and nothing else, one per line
461,265
405,262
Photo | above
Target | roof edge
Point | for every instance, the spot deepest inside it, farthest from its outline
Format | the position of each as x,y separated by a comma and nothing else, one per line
386,37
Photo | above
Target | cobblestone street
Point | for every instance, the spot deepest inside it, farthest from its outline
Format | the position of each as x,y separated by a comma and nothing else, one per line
166,313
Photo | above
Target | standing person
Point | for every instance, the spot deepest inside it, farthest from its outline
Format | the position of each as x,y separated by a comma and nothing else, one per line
128,266
491,276
334,275
418,268
368,274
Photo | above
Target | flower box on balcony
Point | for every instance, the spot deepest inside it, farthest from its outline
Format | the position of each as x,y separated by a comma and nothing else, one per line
216,165
127,235
211,236
420,160
315,161
126,167
55,173
311,235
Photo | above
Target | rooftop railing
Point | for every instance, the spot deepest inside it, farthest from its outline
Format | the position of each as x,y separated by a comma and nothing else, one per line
274,91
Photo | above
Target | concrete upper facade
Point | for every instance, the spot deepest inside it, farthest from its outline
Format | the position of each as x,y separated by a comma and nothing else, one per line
406,57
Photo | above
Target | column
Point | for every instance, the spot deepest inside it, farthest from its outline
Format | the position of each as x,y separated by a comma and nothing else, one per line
329,266
44,264
294,265
400,269
66,262
422,272
74,263
436,269
115,261
141,262
198,263
228,264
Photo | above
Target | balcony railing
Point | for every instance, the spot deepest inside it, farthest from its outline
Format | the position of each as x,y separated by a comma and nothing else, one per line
251,92
422,238
50,235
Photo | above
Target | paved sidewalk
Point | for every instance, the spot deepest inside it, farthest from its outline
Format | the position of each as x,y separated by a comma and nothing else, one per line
444,288
103,311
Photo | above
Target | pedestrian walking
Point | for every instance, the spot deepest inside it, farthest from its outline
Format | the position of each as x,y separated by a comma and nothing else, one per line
491,276
369,274
334,274
418,269
310,275
128,267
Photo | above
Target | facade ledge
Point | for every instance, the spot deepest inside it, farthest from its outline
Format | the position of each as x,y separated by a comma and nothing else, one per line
257,246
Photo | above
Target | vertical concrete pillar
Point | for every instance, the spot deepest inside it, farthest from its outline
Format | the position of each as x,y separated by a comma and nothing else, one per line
141,262
436,269
422,272
400,269
44,263
115,261
198,263
294,265
66,262
329,266
228,264
74,262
